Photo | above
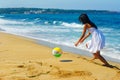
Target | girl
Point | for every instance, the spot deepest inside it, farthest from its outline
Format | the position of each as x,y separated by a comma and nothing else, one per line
98,40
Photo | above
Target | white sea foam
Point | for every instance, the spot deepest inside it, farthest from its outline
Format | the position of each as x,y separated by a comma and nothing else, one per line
3,22
23,19
37,19
8,22
46,22
106,29
54,22
74,25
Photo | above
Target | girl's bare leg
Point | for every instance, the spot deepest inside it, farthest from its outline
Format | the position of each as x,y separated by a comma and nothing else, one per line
94,57
98,56
86,45
93,54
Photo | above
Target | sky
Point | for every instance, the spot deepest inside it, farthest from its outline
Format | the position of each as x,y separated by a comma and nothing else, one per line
112,5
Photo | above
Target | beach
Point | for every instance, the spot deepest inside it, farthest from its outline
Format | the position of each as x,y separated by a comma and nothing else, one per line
24,59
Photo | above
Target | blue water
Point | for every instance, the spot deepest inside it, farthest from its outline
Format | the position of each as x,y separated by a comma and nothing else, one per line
64,28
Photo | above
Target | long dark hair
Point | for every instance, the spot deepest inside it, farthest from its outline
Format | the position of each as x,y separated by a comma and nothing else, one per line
85,19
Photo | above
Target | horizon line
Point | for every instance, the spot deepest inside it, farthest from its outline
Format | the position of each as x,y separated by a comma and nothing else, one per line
63,9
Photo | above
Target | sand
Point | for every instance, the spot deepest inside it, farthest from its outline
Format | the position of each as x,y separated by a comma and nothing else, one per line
23,59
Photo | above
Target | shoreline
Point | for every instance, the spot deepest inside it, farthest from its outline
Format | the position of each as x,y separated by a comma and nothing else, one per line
69,49
24,59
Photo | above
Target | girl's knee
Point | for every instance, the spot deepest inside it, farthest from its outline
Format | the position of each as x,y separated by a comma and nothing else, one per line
97,55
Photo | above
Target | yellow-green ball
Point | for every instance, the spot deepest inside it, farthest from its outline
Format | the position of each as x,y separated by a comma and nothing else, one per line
57,52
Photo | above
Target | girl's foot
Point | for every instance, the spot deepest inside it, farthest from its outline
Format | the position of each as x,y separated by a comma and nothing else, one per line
108,65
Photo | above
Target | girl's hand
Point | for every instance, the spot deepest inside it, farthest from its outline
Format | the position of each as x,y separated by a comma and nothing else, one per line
81,41
76,44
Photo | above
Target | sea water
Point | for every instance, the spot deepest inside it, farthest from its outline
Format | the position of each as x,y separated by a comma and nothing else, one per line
62,28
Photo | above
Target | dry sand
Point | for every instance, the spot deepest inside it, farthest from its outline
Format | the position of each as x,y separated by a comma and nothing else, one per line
23,59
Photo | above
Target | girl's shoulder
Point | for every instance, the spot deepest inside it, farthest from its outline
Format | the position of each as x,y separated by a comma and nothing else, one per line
87,25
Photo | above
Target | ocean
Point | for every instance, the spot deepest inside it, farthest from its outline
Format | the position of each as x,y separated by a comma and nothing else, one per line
61,28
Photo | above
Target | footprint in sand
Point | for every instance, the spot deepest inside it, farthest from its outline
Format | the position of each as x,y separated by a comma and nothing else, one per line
37,69
65,74
83,75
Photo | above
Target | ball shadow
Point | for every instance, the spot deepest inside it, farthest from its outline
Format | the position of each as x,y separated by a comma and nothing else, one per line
66,60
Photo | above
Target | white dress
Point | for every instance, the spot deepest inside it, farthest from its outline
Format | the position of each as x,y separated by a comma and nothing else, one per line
97,42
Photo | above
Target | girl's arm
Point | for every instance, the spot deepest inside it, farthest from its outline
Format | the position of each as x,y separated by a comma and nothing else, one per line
83,34
85,37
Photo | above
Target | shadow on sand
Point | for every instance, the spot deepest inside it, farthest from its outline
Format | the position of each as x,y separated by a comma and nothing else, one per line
66,60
